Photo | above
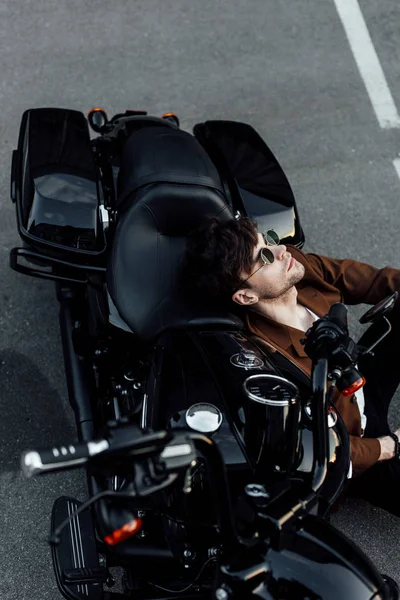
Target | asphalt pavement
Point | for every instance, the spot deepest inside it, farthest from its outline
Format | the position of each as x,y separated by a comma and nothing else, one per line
284,67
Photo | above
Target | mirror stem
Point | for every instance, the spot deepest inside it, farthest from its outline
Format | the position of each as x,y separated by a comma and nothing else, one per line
389,329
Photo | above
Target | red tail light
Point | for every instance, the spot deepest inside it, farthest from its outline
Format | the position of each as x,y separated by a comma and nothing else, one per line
124,532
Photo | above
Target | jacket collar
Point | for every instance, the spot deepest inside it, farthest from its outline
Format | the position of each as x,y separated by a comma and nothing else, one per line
284,336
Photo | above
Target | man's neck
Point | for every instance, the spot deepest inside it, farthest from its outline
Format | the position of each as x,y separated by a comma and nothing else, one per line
284,309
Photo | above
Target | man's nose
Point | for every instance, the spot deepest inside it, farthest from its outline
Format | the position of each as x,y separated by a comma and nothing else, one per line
281,250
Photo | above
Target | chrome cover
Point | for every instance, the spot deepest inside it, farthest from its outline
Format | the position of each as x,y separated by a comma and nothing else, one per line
204,417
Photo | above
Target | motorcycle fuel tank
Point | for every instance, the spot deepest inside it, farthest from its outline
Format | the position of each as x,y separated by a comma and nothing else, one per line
183,394
316,562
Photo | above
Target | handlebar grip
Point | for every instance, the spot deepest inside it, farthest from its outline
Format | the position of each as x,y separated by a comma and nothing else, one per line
36,462
338,314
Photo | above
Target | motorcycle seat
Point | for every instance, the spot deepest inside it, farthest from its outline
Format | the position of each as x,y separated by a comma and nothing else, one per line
171,189
155,155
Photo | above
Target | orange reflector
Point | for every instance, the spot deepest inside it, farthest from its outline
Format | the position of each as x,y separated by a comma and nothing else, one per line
166,115
95,109
124,532
354,387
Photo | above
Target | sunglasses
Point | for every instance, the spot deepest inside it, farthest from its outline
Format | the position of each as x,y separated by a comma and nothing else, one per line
271,238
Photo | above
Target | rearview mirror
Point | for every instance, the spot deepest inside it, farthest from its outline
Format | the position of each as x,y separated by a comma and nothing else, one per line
379,310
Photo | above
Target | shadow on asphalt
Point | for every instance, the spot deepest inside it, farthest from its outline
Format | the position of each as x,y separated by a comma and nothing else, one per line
32,412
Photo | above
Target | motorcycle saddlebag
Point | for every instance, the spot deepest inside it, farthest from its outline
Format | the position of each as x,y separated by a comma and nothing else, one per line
55,186
255,182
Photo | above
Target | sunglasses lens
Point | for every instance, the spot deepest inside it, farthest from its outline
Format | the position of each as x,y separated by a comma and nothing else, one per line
271,237
266,256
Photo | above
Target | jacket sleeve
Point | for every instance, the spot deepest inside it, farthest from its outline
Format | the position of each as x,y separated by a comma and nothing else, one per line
364,453
357,281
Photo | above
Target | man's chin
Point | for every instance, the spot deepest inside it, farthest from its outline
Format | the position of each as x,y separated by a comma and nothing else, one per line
299,271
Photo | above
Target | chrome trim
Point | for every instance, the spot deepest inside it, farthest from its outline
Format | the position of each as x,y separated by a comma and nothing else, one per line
70,509
177,450
126,376
76,539
331,415
76,518
31,464
104,216
97,446
266,401
143,418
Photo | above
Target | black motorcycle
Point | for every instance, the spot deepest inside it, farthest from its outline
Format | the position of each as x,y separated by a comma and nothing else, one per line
212,460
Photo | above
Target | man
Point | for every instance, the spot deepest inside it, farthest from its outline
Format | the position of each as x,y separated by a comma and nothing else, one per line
282,292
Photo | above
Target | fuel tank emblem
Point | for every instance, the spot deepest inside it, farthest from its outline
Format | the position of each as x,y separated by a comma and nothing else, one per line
247,360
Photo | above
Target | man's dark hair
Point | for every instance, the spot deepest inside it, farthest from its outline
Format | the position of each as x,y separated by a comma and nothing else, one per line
217,254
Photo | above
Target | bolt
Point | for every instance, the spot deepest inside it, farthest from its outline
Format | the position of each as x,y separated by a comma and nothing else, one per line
137,385
97,352
256,491
143,533
102,560
221,594
187,553
141,513
118,386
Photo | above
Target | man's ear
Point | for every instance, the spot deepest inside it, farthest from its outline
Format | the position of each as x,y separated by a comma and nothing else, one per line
245,297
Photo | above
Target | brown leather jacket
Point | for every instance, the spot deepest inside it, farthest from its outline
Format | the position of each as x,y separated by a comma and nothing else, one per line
328,280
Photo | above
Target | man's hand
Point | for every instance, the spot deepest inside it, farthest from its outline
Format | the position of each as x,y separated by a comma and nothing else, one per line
387,446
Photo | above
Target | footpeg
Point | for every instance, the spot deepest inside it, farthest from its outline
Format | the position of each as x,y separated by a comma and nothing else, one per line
99,575
75,558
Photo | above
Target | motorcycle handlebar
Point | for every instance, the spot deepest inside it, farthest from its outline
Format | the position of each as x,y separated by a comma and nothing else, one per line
37,462
178,454
338,314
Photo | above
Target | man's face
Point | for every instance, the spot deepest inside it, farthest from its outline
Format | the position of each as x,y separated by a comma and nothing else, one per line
270,281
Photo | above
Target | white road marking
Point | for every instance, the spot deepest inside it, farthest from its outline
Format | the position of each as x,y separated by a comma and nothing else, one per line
396,163
368,63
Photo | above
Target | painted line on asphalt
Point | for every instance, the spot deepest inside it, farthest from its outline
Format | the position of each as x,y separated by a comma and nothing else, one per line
396,164
368,63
